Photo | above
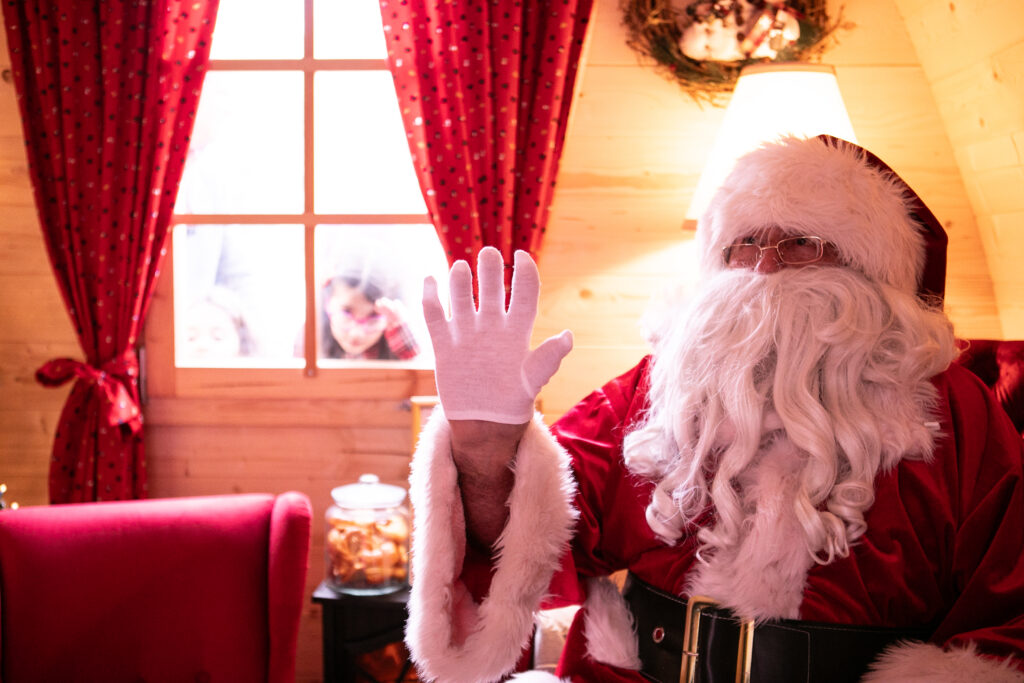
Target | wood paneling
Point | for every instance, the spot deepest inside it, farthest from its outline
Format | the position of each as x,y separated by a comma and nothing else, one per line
939,96
947,36
972,53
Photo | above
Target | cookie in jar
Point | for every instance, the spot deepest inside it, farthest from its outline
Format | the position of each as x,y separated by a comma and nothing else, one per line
367,543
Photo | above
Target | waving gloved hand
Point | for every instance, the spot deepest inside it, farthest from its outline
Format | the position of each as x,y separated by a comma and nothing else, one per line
484,368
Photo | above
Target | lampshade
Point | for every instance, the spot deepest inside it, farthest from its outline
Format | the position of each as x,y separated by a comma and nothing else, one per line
771,100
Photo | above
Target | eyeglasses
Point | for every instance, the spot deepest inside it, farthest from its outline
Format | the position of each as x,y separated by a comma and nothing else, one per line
793,251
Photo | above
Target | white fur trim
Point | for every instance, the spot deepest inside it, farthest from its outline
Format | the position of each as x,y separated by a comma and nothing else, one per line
813,188
538,677
450,637
609,626
912,662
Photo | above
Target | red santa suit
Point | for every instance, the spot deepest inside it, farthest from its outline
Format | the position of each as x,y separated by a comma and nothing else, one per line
944,546
940,550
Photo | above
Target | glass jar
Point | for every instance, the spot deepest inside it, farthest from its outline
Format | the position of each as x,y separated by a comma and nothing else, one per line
367,544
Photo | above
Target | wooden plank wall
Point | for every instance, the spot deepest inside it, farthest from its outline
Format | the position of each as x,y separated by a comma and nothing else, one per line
972,54
635,149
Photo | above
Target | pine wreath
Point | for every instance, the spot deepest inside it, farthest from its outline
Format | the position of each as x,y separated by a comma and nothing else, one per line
724,36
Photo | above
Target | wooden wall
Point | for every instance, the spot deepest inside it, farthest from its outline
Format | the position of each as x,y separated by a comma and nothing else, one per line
948,121
972,55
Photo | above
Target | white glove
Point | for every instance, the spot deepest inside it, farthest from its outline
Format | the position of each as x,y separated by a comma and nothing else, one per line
484,367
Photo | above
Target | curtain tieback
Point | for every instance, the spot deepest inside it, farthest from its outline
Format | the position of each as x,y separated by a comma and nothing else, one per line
112,378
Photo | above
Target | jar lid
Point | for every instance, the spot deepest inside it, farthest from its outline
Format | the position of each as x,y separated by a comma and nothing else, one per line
368,493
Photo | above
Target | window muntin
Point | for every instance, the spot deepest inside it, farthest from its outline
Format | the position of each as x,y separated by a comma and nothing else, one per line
298,147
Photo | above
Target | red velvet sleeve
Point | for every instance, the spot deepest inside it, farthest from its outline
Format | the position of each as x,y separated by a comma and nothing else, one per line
945,539
611,526
944,546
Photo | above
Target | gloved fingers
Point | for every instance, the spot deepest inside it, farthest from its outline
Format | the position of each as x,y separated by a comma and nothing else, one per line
490,274
543,361
433,311
522,308
460,291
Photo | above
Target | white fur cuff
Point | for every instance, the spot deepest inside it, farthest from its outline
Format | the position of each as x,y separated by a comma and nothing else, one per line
610,628
926,663
450,637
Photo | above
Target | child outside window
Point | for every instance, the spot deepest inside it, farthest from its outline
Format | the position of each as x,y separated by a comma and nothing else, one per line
362,315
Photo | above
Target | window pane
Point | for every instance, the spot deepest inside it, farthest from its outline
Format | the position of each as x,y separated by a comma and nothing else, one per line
239,295
247,145
258,29
356,266
348,29
362,160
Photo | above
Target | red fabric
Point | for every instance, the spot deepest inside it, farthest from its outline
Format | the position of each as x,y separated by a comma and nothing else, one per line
485,89
402,342
944,545
107,91
214,590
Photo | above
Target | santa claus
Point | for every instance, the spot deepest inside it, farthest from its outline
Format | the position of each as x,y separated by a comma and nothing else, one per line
796,484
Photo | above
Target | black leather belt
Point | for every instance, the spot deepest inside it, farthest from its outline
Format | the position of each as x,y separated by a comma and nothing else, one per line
725,649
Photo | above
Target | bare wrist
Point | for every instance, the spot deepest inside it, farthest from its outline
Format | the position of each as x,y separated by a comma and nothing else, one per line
483,453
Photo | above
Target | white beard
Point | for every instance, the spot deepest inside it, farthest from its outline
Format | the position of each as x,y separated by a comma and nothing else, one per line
775,401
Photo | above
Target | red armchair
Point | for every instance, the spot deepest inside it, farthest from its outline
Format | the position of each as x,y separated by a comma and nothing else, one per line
177,589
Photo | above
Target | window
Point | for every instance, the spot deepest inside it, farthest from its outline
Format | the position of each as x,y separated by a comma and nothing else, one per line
300,234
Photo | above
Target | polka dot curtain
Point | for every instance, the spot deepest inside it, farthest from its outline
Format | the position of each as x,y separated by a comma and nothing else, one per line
107,91
485,88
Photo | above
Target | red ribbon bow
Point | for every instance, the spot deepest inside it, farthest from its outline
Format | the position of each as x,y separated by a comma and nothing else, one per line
112,379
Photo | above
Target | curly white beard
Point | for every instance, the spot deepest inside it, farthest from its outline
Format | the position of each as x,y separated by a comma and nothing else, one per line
775,401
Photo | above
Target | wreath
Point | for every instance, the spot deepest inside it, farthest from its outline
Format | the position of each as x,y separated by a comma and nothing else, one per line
704,44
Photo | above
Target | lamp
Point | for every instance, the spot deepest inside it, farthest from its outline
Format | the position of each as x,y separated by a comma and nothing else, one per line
771,100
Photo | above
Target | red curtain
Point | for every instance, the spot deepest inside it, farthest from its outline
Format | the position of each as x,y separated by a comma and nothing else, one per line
108,91
484,88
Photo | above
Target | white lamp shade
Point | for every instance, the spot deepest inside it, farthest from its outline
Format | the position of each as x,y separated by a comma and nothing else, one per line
769,101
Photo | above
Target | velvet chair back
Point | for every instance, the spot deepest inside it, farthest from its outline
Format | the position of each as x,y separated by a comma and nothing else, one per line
178,589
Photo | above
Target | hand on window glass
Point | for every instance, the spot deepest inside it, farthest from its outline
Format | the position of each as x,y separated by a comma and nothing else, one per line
393,311
485,369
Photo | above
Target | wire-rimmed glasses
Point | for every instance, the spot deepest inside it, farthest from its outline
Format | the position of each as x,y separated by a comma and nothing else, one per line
793,251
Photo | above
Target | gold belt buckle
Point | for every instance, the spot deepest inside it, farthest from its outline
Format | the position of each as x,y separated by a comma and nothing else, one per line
744,652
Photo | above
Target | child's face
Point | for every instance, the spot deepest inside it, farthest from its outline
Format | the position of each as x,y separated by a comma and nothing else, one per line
355,322
210,332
